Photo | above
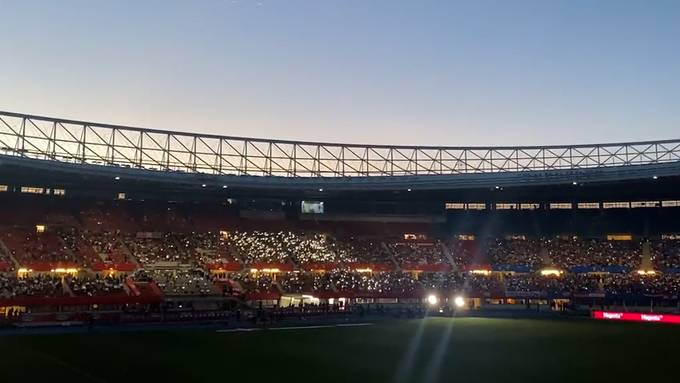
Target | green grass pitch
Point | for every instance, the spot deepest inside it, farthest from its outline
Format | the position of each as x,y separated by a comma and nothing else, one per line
429,350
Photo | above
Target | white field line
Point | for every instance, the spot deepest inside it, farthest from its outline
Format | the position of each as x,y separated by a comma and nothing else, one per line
353,324
239,330
296,327
300,327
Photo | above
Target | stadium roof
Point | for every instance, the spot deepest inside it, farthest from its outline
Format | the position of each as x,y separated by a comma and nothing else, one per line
94,144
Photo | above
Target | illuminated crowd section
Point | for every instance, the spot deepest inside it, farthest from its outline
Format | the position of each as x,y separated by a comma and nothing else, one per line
60,252
117,253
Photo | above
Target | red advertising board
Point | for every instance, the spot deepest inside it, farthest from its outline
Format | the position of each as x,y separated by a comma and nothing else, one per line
636,317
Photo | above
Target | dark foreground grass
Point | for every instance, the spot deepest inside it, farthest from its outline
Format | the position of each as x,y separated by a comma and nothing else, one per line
440,349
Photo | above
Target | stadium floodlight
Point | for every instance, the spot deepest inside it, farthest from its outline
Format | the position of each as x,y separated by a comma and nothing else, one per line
459,301
432,299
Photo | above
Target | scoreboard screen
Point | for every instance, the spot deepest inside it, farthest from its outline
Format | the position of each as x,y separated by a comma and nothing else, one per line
312,207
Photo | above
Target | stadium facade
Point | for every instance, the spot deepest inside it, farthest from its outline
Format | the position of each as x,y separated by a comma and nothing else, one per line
52,167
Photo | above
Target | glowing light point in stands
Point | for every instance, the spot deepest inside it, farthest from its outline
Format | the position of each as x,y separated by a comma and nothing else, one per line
432,299
266,270
459,301
553,272
61,270
116,178
646,272
481,271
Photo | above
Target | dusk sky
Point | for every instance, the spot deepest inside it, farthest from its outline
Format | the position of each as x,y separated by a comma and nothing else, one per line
392,72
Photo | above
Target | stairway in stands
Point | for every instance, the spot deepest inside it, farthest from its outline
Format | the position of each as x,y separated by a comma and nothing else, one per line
447,254
4,252
389,252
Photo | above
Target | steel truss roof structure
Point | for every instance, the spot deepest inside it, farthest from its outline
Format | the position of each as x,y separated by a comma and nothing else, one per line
82,142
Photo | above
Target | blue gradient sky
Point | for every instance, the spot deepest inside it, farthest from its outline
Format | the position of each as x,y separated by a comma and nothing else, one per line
401,72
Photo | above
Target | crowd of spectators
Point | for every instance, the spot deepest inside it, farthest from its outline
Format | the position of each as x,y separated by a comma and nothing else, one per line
593,252
314,248
198,283
442,281
563,252
344,280
266,247
97,285
628,283
418,253
40,286
161,248
206,247
194,282
31,247
482,284
466,252
665,254
295,283
195,249
256,282
300,248
83,248
645,285
378,282
397,282
359,249
544,284
109,247
462,282
515,252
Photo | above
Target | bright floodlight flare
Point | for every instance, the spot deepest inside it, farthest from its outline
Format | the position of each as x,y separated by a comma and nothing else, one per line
459,301
432,299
